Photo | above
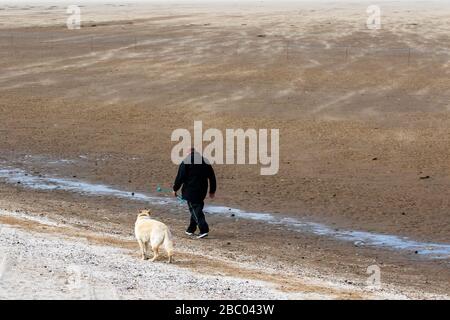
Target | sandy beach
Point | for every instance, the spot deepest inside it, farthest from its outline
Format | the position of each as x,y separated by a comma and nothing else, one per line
87,116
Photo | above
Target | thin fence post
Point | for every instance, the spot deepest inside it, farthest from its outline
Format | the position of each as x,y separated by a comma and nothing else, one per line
12,44
347,53
409,56
39,48
287,49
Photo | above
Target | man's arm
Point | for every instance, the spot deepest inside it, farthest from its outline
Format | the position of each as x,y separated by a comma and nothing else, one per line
212,180
179,180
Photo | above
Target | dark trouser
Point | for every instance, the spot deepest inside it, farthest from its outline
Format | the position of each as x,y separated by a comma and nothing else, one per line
197,218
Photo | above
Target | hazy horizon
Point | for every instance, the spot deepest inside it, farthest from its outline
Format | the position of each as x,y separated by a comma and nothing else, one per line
212,1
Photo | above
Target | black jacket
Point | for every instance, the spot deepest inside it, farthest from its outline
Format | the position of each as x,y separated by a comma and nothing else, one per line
194,179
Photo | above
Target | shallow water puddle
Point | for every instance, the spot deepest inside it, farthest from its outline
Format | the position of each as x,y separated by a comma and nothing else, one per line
359,238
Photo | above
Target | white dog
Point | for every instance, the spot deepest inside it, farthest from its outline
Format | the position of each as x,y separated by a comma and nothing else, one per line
154,233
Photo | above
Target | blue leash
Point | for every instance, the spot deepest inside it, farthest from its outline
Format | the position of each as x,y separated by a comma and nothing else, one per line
180,199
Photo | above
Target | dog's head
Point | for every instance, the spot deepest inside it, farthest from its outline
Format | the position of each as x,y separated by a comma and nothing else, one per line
144,213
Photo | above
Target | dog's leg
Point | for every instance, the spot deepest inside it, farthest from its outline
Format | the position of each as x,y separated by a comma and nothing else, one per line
170,255
147,249
155,252
143,253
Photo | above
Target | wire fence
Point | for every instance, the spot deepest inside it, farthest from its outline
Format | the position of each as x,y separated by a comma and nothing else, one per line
261,51
16,43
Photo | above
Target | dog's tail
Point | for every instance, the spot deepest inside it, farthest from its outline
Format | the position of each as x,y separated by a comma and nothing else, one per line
168,244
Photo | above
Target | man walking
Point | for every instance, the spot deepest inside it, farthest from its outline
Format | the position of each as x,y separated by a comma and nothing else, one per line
193,176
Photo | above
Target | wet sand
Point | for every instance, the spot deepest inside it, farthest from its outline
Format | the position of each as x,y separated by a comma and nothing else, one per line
363,119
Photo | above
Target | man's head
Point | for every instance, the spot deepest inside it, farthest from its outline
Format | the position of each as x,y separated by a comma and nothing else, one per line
193,157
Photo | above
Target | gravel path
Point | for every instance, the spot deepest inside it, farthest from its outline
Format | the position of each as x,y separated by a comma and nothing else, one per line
45,266
43,259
